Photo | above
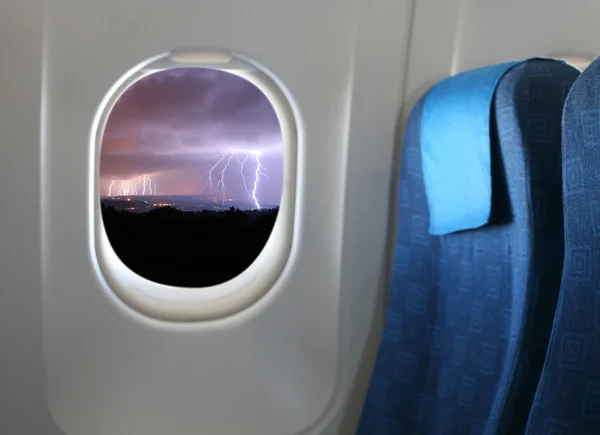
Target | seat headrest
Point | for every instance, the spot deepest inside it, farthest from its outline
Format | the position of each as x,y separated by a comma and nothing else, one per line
456,148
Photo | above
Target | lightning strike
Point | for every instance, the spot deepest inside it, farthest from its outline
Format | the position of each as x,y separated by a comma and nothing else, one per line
137,183
209,180
124,191
240,167
260,172
219,189
222,180
131,187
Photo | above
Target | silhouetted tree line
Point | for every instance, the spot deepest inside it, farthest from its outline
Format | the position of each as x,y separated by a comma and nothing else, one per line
188,249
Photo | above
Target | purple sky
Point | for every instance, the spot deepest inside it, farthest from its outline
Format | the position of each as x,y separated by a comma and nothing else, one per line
173,126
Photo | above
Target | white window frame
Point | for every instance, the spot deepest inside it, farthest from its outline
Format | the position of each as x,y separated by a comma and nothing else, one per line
179,304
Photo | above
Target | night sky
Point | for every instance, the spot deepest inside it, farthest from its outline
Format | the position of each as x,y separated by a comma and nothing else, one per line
176,124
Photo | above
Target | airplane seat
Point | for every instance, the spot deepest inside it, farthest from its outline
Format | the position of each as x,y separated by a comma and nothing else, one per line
567,401
478,255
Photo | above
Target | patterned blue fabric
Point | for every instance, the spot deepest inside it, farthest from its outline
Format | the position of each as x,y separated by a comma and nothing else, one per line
457,199
567,401
467,329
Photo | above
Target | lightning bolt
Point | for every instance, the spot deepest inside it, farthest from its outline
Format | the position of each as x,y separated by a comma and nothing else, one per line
222,180
240,167
130,187
209,180
148,184
260,172
137,183
220,189
124,191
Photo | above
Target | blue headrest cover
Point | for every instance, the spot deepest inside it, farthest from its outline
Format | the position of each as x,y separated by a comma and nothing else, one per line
456,149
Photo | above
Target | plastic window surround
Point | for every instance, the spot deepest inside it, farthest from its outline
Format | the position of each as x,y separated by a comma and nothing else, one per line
178,304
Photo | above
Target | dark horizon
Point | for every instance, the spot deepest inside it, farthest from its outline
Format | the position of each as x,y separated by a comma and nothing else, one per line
188,248
183,202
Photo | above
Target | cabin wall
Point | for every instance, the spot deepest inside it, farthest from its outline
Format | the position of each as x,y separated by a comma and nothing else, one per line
23,398
73,358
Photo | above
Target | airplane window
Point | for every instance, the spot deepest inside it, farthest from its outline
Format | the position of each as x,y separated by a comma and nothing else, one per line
191,175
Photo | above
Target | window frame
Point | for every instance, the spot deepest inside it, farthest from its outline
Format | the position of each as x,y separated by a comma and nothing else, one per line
183,304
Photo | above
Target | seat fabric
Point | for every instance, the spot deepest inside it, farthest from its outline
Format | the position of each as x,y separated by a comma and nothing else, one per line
567,401
470,313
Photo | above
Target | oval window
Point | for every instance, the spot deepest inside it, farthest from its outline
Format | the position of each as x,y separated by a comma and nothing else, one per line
191,176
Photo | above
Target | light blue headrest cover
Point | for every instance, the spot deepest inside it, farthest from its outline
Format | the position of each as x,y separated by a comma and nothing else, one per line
456,149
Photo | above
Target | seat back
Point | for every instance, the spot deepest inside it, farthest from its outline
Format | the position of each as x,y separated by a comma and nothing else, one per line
466,329
567,401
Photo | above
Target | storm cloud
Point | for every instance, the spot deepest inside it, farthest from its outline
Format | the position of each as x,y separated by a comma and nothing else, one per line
176,124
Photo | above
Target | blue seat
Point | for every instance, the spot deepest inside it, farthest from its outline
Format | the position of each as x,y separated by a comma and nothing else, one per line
473,296
567,401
